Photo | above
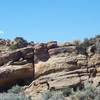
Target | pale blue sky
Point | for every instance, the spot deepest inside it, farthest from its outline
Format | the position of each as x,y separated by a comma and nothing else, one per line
46,20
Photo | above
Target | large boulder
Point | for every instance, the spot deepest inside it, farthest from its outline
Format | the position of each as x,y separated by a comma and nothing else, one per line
52,44
41,52
55,51
11,74
25,53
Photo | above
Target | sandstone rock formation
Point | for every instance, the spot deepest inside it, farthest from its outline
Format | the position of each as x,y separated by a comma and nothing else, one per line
11,74
68,65
52,44
41,52
53,66
16,55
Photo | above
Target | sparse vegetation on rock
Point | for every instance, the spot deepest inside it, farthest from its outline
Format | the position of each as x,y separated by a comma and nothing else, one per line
89,92
15,93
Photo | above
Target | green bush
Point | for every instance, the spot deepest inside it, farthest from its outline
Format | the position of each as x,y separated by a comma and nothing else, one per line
15,89
47,95
13,47
67,91
57,96
53,95
89,92
12,96
15,93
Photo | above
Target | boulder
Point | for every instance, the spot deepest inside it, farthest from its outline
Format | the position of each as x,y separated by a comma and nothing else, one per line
67,44
24,53
11,74
52,44
41,52
59,50
56,51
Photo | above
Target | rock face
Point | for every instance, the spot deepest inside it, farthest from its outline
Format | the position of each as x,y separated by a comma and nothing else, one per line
51,65
11,74
55,51
41,52
68,65
16,55
52,44
63,71
16,66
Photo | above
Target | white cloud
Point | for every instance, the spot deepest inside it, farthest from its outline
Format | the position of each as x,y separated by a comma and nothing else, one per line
1,32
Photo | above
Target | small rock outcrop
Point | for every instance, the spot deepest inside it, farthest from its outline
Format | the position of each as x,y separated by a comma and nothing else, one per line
12,74
41,51
24,53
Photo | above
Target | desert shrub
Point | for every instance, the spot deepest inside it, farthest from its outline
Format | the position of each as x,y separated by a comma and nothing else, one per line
89,92
86,42
53,95
81,49
57,96
21,42
77,42
15,93
97,36
13,47
15,89
79,95
67,91
12,96
47,95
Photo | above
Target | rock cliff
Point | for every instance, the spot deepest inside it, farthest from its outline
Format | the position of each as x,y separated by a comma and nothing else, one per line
51,66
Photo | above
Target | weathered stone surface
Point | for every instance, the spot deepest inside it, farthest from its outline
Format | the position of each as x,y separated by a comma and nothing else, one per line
55,51
56,65
5,42
52,65
16,55
94,60
62,71
66,44
41,52
9,75
52,44
57,81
